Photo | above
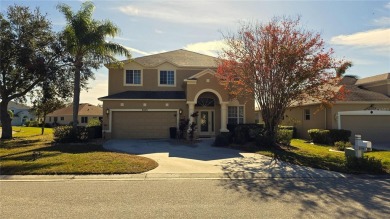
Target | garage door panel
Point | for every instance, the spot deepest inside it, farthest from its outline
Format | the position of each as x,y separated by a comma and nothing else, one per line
372,128
154,124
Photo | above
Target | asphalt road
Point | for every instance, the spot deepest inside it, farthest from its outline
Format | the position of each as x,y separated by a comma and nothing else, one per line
197,198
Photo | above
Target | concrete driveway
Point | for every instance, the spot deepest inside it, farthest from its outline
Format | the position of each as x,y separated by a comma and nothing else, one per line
201,158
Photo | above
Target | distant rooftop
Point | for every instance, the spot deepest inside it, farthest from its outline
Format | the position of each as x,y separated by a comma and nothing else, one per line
375,78
85,109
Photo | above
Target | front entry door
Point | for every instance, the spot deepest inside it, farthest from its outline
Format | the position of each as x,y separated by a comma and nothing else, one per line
206,123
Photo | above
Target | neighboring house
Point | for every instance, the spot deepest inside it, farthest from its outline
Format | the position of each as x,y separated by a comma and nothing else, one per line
150,94
21,112
64,116
365,110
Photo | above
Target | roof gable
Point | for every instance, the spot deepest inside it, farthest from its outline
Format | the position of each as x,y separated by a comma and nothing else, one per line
373,79
202,73
179,58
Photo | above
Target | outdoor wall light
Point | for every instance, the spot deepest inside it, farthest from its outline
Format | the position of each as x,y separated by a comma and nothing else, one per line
180,111
107,111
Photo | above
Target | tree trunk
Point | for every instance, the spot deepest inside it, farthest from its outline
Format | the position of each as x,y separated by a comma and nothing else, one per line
76,96
43,124
5,121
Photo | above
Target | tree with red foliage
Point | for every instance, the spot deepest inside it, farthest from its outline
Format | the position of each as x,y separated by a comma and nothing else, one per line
280,64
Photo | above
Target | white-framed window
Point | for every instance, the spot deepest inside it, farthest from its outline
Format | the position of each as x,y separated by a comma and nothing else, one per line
235,114
84,119
133,77
307,114
62,118
166,78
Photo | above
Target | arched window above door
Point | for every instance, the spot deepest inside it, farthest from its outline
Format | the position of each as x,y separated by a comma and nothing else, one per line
205,101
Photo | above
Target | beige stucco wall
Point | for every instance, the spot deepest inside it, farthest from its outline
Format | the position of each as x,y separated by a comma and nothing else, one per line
204,83
295,117
150,78
68,119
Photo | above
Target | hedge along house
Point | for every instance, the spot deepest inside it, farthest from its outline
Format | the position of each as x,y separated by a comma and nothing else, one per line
365,110
150,94
64,116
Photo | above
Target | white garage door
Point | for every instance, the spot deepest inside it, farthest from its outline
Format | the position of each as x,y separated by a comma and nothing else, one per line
142,124
372,128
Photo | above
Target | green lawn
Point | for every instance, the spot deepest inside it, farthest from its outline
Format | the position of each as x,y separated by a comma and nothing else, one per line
319,156
16,156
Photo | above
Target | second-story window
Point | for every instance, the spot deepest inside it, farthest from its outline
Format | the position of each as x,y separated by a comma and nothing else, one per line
133,77
167,77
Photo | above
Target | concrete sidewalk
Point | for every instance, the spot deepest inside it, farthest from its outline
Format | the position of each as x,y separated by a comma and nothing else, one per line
178,158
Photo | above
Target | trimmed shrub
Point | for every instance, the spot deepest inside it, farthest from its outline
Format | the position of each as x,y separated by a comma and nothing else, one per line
94,122
284,136
319,136
289,128
32,124
243,133
66,134
231,127
262,140
341,145
223,139
366,164
339,135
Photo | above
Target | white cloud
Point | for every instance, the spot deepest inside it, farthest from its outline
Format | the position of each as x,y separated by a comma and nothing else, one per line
382,21
201,12
211,48
97,88
387,5
378,40
158,31
137,51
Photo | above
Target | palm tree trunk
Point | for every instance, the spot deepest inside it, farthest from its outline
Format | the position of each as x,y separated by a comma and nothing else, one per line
76,96
5,121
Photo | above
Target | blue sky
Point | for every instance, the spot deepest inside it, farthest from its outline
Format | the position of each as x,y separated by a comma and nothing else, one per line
357,30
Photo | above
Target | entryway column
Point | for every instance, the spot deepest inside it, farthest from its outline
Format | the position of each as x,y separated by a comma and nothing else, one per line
224,118
191,109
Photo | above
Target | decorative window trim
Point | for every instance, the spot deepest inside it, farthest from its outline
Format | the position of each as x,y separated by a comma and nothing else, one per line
136,85
166,85
205,102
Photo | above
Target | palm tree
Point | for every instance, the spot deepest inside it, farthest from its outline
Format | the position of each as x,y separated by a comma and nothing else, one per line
87,46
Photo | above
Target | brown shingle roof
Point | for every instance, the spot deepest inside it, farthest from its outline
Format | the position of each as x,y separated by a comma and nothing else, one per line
375,78
85,109
181,58
355,93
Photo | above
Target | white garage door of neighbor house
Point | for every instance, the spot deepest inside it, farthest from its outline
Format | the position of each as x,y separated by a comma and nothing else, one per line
372,128
146,124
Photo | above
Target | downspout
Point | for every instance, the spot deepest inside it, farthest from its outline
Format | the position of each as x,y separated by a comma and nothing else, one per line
338,120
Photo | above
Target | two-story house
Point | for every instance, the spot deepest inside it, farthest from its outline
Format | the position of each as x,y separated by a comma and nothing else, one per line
150,94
